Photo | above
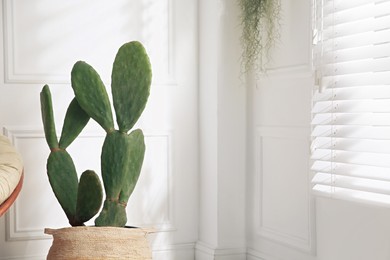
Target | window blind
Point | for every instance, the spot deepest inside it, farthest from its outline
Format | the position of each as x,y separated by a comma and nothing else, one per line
351,101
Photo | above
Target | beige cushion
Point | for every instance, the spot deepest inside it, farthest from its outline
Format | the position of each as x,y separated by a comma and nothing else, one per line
11,167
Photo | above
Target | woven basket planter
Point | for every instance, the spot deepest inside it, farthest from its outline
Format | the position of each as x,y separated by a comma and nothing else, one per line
97,243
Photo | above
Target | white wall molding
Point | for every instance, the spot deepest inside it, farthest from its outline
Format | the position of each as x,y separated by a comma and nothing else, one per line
222,117
204,249
295,71
8,39
14,52
256,255
15,233
41,41
165,138
291,54
174,251
275,231
18,230
13,230
208,252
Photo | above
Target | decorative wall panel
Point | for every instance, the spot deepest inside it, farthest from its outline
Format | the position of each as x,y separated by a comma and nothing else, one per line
292,52
43,39
37,208
282,187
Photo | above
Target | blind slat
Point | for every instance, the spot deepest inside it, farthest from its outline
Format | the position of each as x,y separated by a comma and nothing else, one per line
352,106
356,13
357,158
358,53
360,92
371,24
352,183
358,79
340,5
352,195
350,119
360,171
363,145
359,66
357,132
357,40
350,147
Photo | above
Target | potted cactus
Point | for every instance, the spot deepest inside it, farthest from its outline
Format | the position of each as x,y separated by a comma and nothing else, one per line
121,157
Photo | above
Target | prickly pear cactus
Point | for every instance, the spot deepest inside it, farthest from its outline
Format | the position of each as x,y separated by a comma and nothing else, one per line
60,167
122,152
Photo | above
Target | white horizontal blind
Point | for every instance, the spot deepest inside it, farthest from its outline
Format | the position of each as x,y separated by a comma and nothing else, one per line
351,104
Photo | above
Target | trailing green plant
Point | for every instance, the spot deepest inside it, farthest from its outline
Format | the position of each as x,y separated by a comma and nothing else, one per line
260,20
122,152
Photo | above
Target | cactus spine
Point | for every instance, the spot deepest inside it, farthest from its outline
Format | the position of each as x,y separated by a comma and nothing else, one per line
122,152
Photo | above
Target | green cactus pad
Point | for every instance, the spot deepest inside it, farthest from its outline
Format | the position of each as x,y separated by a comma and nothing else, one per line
75,121
114,163
64,182
122,154
136,157
91,94
89,196
131,78
48,118
112,214
122,158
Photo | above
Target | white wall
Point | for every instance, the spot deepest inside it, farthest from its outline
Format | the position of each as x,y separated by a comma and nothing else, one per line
255,139
279,208
271,117
284,221
222,111
248,141
40,41
347,230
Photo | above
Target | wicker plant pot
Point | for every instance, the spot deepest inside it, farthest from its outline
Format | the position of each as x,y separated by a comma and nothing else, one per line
96,243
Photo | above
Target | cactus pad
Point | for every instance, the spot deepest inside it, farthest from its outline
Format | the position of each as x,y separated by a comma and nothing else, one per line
114,163
112,214
131,78
75,121
64,182
136,157
91,94
89,196
48,117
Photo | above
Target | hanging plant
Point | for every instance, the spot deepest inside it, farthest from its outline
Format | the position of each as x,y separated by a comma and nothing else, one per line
260,29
